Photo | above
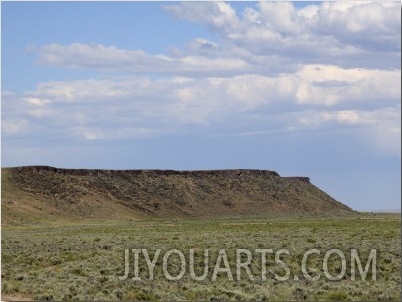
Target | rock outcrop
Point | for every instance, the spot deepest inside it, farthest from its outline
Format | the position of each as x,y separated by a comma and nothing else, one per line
163,193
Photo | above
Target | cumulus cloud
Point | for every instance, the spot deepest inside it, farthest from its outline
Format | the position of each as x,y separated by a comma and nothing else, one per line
268,38
357,31
312,98
273,68
218,16
368,25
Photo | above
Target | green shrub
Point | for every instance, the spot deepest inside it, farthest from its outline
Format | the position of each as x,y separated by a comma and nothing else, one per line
338,296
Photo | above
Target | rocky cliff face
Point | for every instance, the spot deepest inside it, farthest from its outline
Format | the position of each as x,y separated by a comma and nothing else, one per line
163,193
84,172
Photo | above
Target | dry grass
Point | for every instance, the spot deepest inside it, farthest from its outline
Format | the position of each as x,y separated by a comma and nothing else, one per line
82,261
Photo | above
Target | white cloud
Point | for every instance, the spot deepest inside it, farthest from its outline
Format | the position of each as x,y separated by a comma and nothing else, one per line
380,127
275,68
202,46
110,58
329,85
131,107
357,31
308,12
36,101
14,126
7,93
59,92
40,113
379,117
218,16
271,38
99,133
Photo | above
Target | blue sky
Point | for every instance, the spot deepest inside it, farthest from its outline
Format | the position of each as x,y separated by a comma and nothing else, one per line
304,88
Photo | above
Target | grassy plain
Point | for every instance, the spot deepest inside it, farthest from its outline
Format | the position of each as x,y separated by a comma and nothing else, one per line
82,261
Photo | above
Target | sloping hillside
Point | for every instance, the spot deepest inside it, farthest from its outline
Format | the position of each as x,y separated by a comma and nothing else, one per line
41,192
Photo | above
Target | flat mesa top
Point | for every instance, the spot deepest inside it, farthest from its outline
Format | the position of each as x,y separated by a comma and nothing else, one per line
220,172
